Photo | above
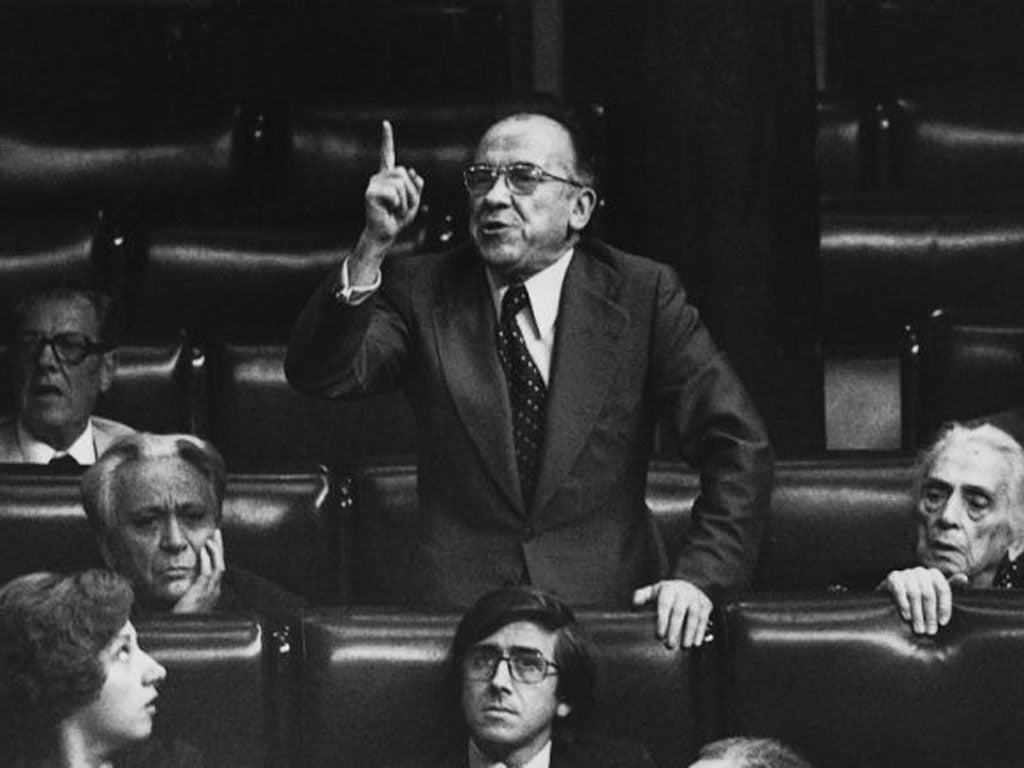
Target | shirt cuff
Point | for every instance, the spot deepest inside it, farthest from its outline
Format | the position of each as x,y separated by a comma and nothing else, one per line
346,293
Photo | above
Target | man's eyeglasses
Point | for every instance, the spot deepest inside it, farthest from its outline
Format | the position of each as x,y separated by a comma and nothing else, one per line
525,665
68,348
522,178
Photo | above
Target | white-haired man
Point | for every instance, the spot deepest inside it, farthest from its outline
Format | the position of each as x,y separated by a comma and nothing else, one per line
154,503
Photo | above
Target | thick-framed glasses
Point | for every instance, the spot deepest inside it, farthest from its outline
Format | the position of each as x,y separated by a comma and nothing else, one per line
525,665
522,178
68,348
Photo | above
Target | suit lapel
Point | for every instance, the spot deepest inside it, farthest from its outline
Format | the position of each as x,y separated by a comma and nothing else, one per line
589,327
464,325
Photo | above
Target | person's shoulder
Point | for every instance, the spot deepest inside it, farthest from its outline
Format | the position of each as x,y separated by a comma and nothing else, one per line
634,267
599,751
247,592
110,428
155,753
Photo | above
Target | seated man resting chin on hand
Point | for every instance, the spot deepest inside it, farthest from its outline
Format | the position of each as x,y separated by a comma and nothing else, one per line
155,505
970,523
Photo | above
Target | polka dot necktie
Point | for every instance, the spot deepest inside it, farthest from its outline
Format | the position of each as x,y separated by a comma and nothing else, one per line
527,391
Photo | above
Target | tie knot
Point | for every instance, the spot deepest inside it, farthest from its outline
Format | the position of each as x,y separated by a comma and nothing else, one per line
66,461
516,299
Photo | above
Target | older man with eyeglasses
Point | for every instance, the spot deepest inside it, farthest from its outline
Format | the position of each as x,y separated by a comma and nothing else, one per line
538,362
61,361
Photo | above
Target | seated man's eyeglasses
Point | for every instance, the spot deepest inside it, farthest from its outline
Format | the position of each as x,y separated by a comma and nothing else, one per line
522,178
68,348
525,665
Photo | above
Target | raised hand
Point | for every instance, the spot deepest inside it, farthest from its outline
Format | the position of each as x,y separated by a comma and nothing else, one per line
392,195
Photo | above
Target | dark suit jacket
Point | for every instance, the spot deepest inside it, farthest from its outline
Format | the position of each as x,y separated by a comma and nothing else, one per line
628,345
579,752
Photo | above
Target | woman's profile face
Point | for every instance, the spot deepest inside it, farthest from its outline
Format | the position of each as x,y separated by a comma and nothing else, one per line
123,711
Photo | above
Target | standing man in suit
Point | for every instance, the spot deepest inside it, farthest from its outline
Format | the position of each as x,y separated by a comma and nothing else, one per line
62,360
537,363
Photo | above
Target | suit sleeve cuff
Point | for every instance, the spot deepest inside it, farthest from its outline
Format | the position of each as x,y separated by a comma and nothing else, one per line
346,293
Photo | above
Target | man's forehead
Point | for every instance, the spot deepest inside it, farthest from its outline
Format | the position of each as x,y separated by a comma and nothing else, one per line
522,634
526,138
61,313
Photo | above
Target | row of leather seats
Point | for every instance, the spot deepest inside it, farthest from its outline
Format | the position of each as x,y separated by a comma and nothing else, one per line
841,677
901,47
337,539
919,161
944,151
217,162
268,49
922,210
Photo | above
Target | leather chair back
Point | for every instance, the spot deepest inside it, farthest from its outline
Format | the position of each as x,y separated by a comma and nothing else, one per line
258,420
961,151
963,363
226,283
880,274
373,687
135,161
224,682
843,679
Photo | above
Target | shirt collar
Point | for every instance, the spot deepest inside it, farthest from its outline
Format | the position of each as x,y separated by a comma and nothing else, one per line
543,288
36,451
478,759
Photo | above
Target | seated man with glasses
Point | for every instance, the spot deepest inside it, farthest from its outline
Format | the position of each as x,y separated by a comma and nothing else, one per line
538,362
61,361
521,681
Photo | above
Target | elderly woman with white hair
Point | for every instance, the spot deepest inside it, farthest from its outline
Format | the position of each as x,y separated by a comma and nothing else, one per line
970,522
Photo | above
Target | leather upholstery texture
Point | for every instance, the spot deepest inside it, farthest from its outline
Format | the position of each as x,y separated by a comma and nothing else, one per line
844,680
963,363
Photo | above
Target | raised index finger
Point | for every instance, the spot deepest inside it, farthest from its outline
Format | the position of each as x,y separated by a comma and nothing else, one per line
387,146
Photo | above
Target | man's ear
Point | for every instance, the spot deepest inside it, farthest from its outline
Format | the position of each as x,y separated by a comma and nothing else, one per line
563,709
108,367
582,209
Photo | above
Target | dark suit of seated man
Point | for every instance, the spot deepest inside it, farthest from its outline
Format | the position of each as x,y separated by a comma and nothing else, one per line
538,363
154,503
520,677
62,361
970,522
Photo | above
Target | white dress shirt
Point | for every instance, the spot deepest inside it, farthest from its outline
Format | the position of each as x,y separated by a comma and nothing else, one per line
537,326
35,451
478,759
